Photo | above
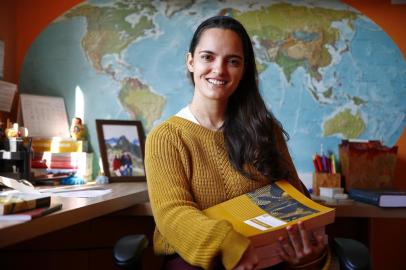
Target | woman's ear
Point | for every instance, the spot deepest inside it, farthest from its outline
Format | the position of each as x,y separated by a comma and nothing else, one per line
189,62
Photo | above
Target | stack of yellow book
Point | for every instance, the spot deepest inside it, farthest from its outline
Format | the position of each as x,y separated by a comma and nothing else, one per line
263,215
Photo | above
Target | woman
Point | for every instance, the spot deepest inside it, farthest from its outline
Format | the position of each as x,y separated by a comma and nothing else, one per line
223,144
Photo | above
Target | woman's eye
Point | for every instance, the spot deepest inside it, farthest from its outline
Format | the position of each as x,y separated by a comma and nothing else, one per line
234,62
206,57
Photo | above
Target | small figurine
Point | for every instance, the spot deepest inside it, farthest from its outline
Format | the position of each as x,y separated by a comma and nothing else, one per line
13,131
77,129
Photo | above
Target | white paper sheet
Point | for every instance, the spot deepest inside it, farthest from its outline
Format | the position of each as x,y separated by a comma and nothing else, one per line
83,193
19,185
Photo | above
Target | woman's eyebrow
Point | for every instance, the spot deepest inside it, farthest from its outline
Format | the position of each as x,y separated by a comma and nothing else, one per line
229,56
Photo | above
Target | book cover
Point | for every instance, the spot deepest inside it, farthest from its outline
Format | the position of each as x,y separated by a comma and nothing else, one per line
31,214
382,198
19,201
263,215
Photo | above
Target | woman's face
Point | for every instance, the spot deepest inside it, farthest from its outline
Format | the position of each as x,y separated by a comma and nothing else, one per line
217,64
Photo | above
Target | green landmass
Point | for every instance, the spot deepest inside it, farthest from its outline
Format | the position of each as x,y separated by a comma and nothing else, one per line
108,32
328,93
345,123
314,93
260,67
174,6
357,100
278,23
143,104
288,64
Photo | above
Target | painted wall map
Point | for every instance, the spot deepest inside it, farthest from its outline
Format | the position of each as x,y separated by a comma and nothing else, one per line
326,71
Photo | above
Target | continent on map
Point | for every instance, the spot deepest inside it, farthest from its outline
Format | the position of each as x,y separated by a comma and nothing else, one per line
111,29
295,36
345,123
174,6
140,102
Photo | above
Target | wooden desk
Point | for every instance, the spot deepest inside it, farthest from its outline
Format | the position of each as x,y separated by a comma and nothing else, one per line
75,211
381,229
363,210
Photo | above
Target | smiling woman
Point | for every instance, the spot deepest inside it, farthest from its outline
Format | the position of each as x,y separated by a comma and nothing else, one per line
223,144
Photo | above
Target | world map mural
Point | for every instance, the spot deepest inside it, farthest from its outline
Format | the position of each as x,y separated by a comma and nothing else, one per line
326,71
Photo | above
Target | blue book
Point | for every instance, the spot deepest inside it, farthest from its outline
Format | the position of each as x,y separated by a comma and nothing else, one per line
382,198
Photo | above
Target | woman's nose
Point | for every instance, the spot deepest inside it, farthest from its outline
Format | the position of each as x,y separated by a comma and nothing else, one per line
219,67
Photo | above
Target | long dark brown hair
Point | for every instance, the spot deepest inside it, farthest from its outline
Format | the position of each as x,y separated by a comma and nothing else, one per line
249,127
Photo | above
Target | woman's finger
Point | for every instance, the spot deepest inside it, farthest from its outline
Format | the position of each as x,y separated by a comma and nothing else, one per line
295,240
287,253
287,247
321,241
304,234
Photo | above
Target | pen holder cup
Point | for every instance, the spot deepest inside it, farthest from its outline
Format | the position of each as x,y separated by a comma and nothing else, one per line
325,180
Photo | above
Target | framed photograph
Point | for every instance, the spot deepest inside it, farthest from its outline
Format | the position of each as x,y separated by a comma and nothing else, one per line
121,144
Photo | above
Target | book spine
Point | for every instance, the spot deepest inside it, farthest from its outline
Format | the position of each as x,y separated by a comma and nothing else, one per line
12,208
43,202
365,197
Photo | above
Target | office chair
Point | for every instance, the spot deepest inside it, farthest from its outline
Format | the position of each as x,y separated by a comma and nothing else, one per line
352,255
128,251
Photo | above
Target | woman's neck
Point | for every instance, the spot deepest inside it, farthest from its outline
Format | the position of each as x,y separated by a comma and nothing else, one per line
209,115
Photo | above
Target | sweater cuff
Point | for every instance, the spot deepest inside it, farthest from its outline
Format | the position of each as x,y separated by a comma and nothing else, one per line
232,249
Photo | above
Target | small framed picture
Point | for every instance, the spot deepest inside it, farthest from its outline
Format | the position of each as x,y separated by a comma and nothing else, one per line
121,144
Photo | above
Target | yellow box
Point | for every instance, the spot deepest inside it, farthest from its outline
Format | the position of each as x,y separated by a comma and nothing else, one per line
325,180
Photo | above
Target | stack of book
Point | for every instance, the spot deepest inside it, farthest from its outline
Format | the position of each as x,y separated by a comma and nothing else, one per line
381,198
263,215
16,205
61,156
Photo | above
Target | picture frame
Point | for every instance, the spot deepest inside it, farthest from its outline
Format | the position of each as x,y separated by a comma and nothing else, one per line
121,144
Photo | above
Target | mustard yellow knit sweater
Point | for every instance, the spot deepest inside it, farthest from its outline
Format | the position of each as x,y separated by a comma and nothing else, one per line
187,171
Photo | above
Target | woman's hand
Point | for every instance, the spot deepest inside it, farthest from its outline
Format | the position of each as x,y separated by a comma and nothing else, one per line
248,261
302,246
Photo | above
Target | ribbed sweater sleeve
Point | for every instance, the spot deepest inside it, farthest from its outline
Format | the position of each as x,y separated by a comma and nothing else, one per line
181,225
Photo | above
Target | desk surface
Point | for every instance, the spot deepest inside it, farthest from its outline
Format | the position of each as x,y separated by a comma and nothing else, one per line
363,210
74,211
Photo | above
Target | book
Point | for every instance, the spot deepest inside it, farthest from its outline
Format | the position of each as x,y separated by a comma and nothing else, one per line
382,198
31,214
58,145
263,215
19,201
79,163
